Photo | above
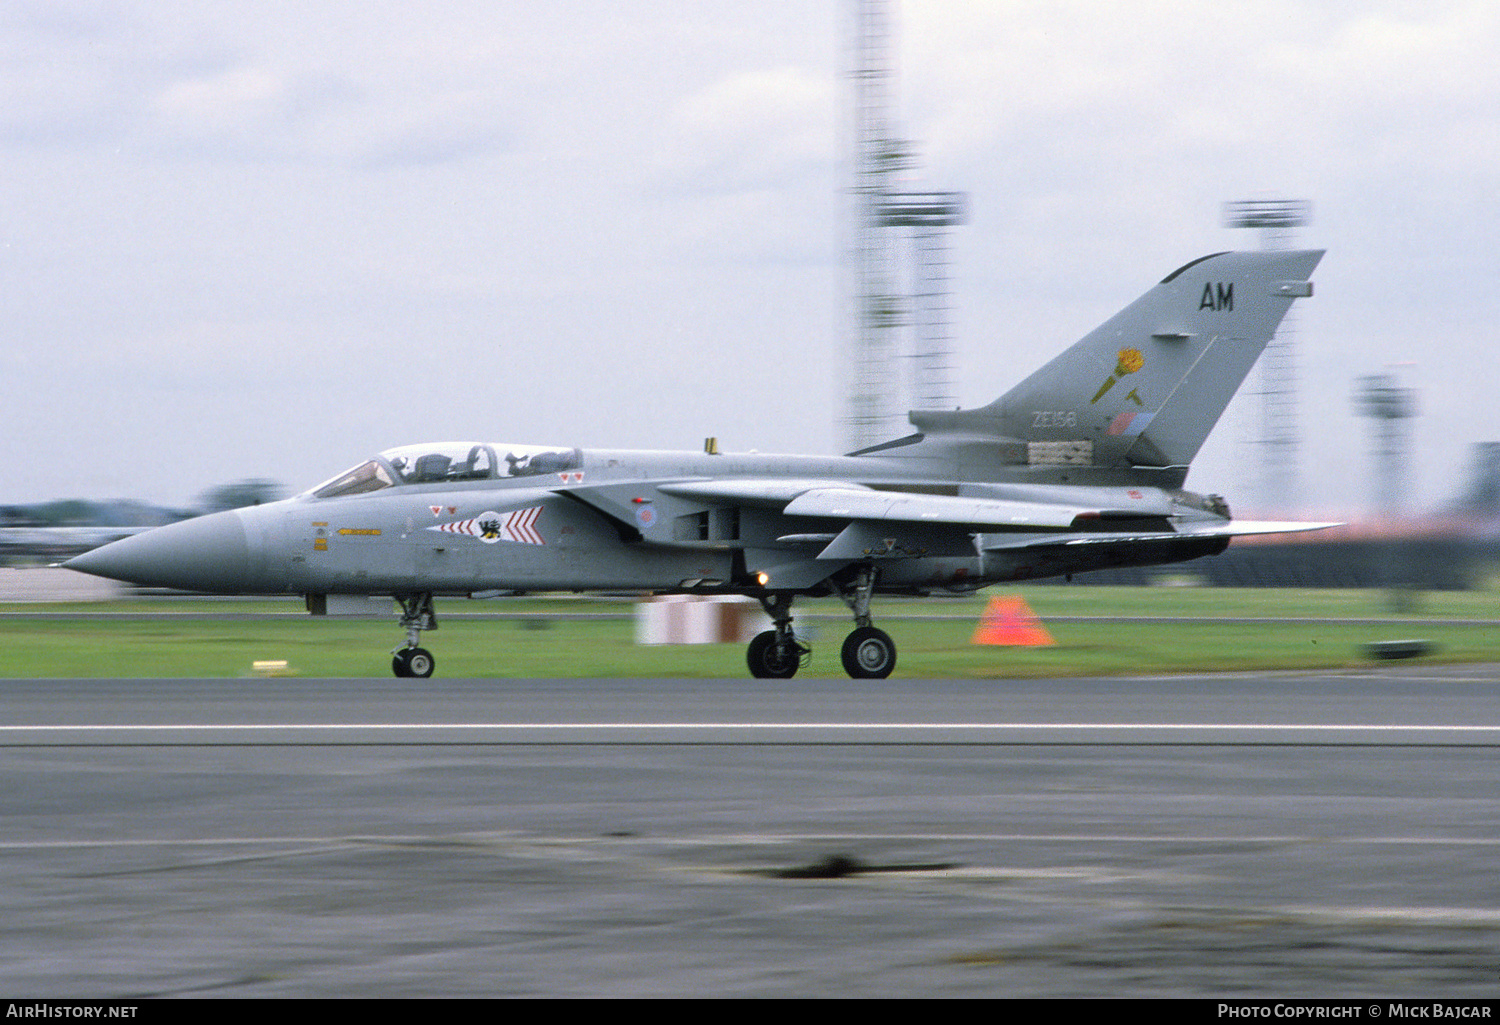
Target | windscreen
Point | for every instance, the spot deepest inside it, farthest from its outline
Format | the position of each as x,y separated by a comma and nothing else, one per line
371,476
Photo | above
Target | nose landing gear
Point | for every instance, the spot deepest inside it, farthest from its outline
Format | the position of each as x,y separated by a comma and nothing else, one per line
777,654
416,615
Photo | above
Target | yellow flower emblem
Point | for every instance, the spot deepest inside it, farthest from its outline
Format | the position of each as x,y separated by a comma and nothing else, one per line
1127,361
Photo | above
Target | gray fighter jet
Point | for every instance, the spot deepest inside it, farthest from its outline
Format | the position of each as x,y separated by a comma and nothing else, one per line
1081,466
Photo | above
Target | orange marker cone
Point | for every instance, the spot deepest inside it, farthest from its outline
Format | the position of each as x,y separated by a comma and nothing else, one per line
1011,621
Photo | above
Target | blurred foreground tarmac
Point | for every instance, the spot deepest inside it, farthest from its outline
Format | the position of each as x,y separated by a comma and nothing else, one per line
1247,836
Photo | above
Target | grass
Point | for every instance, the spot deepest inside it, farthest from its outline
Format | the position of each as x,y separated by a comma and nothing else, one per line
933,636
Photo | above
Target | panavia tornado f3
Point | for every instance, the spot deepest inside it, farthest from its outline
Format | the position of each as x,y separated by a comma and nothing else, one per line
1081,466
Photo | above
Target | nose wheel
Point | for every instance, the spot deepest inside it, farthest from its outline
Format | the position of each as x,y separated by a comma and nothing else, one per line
777,654
772,658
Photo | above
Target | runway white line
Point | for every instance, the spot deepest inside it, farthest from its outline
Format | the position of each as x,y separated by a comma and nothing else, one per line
747,733
253,727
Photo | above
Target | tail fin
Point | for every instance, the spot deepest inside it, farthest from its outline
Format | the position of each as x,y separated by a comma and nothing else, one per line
1147,386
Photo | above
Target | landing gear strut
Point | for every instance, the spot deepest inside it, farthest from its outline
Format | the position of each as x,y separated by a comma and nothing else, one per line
868,653
416,615
777,654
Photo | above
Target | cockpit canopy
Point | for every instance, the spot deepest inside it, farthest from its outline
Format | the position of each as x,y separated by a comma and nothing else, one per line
448,462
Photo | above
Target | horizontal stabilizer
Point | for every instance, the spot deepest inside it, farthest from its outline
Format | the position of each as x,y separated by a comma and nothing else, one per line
1244,528
1192,529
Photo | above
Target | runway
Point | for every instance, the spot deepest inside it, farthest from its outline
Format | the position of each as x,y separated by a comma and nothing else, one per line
1306,834
1403,705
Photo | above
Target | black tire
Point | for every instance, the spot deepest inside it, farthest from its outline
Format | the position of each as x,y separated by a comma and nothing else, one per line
869,654
768,661
413,662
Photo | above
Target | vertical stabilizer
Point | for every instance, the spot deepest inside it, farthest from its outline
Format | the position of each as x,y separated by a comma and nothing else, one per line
1147,386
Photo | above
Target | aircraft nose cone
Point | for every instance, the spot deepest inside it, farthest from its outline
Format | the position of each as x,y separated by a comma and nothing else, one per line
208,553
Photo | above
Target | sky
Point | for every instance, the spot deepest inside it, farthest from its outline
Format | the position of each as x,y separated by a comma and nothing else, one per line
267,239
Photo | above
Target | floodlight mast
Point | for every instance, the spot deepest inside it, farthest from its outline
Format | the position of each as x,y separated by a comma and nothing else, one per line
1274,217
878,311
1380,398
1277,221
929,216
884,304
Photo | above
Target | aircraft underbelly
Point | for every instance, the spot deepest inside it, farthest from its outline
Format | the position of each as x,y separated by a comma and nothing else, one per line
1055,560
931,572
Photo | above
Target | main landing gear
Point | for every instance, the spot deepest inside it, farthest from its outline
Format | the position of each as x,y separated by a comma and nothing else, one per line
416,615
868,652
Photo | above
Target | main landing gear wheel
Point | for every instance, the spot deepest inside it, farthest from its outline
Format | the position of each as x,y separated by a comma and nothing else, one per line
769,660
869,654
414,662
